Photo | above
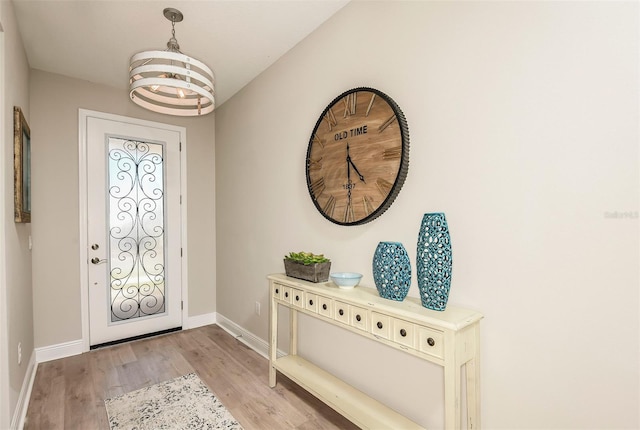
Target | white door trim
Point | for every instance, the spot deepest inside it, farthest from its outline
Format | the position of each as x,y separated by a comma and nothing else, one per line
83,115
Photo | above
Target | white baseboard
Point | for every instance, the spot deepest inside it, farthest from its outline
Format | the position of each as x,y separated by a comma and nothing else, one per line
244,336
199,321
61,350
20,412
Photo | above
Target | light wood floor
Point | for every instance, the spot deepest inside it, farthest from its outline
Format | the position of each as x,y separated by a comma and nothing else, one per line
69,393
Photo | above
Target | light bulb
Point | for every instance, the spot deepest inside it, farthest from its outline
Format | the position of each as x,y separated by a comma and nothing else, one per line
155,87
180,93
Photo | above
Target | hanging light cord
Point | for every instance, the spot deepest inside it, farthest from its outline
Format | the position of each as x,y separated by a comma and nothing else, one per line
172,44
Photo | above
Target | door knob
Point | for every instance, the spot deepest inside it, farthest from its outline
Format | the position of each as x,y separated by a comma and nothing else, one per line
95,246
96,260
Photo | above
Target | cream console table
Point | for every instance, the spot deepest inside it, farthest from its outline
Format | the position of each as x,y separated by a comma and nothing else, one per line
450,339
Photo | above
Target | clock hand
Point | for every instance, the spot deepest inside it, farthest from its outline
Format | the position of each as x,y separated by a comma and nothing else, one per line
348,176
356,169
350,162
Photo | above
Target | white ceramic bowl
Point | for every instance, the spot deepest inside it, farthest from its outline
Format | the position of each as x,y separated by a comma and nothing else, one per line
346,279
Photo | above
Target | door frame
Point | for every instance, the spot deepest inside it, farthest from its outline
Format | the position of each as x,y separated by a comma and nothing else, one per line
83,243
5,412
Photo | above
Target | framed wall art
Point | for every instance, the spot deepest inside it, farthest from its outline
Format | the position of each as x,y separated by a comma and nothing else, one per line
21,166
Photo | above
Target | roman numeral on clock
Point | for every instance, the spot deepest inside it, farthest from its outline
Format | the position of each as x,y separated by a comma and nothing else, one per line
331,119
367,204
350,102
348,213
317,140
315,164
330,206
387,123
317,186
384,186
392,153
373,97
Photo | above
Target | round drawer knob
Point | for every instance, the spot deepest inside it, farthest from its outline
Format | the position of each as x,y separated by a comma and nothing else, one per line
403,333
297,298
324,306
311,302
431,342
379,325
286,294
277,291
341,312
358,317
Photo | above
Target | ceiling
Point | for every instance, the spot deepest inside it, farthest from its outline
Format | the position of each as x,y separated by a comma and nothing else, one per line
93,40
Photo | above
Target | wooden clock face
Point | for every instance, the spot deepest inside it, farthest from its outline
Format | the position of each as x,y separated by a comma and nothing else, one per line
358,157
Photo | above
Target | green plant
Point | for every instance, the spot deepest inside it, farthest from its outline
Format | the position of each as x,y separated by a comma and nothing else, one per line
306,258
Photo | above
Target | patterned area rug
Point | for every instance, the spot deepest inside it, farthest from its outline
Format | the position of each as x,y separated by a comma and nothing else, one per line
181,403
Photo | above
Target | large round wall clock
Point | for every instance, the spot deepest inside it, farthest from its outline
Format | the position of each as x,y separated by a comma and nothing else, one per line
358,156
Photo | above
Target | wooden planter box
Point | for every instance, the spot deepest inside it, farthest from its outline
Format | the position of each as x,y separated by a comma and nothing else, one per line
318,272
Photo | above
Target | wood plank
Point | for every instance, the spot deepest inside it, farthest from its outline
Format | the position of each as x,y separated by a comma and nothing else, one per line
105,383
80,406
47,397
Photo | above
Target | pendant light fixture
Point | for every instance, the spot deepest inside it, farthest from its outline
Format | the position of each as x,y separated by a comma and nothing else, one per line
170,82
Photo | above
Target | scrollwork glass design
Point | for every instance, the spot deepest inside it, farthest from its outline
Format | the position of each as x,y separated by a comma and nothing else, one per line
136,229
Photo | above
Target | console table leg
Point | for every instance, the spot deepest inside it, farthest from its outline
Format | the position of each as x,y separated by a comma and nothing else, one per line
273,339
293,330
452,390
473,385
473,396
272,377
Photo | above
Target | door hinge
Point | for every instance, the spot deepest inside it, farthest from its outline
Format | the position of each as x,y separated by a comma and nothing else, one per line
180,252
180,147
180,198
181,305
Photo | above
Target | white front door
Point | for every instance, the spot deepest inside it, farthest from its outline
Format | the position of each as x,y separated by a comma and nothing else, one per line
133,228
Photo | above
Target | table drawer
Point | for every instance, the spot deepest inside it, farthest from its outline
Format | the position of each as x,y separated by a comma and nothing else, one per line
311,302
286,294
277,291
325,307
381,325
359,318
403,332
297,298
341,312
431,342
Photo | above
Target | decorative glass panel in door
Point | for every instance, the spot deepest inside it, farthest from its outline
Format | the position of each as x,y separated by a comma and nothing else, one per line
136,229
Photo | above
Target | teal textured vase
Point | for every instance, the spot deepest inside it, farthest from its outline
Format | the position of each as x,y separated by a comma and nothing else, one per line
392,270
434,261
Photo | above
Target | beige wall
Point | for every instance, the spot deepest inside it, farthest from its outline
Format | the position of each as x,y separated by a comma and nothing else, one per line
55,101
15,288
523,119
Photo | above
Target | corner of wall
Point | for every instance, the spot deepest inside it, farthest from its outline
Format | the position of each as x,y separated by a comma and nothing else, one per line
4,365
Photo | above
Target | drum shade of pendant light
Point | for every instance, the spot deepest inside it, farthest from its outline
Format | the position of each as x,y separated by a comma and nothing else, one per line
170,82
